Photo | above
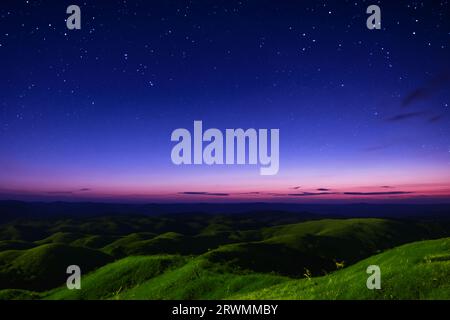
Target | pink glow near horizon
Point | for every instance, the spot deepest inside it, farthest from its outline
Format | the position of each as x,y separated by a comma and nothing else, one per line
229,184
266,193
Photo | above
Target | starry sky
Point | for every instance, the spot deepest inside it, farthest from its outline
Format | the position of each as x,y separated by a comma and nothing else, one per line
87,114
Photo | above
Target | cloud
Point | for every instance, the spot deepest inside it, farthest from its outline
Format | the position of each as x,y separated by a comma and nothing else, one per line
426,91
420,94
69,191
307,194
377,193
349,193
407,115
295,188
192,192
204,193
436,118
323,192
417,95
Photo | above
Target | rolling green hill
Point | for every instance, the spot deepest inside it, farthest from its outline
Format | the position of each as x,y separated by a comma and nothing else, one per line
317,246
61,237
419,270
164,277
109,281
44,267
15,245
221,257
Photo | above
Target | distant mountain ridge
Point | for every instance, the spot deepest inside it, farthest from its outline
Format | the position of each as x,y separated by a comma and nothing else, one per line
11,209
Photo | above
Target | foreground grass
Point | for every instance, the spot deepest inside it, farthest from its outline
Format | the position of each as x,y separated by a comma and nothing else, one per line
109,281
200,279
44,267
266,263
418,270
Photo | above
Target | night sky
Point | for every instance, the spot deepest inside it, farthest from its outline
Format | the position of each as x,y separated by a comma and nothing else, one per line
87,114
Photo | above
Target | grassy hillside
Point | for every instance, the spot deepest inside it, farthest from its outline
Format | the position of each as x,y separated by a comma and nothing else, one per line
418,270
165,277
45,266
15,245
18,294
318,246
220,257
109,281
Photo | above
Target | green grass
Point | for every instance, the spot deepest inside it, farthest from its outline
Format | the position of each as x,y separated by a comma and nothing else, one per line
94,241
18,294
418,270
61,237
109,281
15,245
167,243
216,257
121,246
317,245
199,279
45,266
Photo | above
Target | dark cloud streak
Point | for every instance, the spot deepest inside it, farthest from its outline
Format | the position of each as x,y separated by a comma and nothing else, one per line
426,91
377,193
204,193
407,115
307,194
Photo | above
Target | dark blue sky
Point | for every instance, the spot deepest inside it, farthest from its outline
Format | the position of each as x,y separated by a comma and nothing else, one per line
93,109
